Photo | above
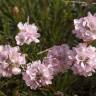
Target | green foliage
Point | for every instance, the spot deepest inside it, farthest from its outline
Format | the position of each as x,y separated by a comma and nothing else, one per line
55,21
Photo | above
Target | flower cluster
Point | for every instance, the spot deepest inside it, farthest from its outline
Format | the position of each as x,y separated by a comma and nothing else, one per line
59,58
80,59
85,27
84,60
10,60
28,33
37,75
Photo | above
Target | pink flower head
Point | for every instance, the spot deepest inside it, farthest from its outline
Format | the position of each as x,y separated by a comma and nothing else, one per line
10,60
84,60
85,27
37,75
28,33
59,58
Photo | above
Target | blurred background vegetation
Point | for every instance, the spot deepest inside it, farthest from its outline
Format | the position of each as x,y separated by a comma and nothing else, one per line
54,19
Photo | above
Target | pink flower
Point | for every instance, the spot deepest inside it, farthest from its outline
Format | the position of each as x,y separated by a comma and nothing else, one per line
37,75
59,59
10,60
28,33
84,60
85,27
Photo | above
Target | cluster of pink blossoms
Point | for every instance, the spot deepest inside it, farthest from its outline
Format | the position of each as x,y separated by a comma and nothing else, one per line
85,27
28,33
37,75
59,58
80,59
10,60
84,58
